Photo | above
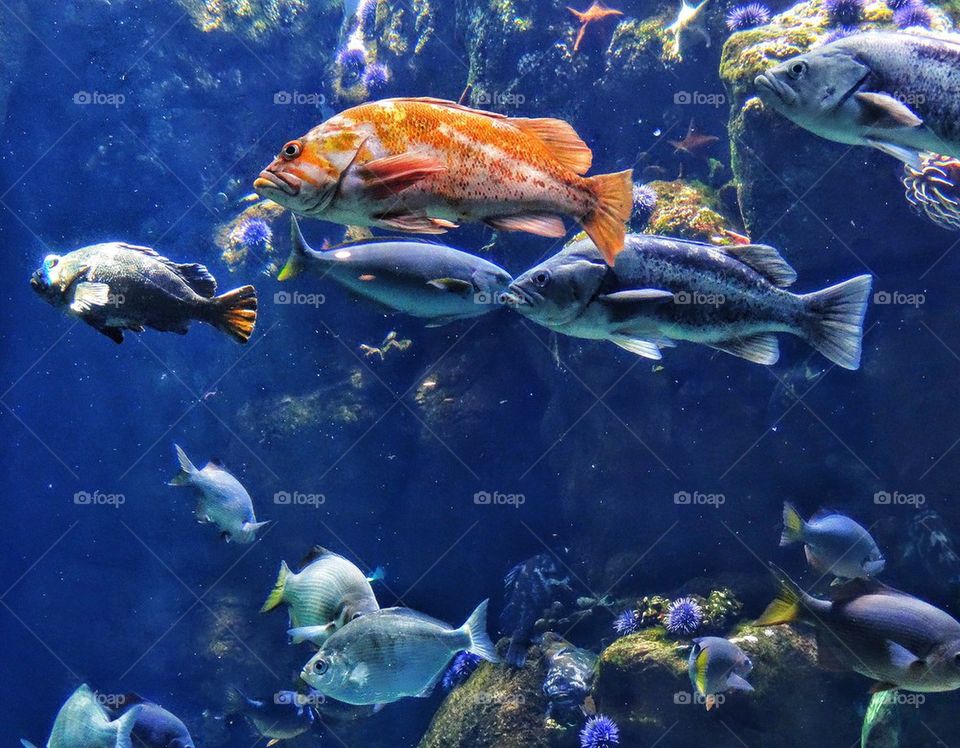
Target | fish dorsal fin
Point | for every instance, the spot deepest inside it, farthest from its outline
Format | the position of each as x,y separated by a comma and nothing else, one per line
765,260
560,139
138,248
215,462
511,578
313,554
825,511
444,103
197,277
760,349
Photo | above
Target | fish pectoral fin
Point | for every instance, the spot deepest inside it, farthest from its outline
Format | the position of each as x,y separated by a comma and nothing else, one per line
114,333
360,675
901,657
762,348
272,741
881,686
386,177
638,295
414,223
87,296
737,683
453,285
885,112
637,346
541,224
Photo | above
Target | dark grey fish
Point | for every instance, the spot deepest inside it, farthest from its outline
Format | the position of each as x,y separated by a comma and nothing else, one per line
896,639
895,91
569,678
661,290
284,715
717,665
430,281
530,587
115,287
155,726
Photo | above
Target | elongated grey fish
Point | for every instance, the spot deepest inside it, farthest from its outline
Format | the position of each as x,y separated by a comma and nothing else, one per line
431,281
896,639
895,91
82,721
661,290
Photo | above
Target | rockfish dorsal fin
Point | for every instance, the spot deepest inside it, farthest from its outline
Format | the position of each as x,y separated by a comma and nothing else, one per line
197,277
765,260
561,139
444,103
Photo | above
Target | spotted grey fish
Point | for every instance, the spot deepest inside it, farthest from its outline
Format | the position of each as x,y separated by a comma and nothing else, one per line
717,665
661,290
569,678
530,587
82,721
221,499
281,716
431,281
326,594
895,91
895,639
155,726
115,287
392,653
834,543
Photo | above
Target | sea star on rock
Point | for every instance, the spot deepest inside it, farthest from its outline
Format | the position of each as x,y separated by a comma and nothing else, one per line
596,12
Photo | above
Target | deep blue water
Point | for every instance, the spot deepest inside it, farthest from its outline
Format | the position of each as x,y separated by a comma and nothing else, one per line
141,598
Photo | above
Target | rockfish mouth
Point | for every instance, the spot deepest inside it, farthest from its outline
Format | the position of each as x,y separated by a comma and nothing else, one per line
770,89
271,180
516,296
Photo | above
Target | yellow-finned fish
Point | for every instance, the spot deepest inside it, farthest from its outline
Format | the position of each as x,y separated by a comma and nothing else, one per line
426,165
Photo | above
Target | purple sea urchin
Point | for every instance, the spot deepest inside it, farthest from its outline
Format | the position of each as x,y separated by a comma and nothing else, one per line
375,76
599,732
684,616
644,203
844,12
352,59
913,14
255,232
367,17
840,33
628,622
460,669
747,16
897,4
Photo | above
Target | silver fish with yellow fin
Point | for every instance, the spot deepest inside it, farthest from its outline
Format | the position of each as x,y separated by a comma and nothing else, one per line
82,722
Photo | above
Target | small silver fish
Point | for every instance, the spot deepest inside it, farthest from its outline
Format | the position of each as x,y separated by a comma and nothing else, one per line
281,716
326,594
392,653
221,499
82,721
833,543
716,666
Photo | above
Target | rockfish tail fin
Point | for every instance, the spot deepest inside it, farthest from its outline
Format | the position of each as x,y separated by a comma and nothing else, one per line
187,468
276,594
235,313
297,261
837,326
793,525
606,223
476,629
787,605
124,726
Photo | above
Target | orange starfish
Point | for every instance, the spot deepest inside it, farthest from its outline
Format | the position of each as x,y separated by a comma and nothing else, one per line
596,12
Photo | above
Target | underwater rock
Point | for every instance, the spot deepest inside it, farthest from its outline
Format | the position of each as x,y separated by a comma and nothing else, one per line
252,19
249,237
689,210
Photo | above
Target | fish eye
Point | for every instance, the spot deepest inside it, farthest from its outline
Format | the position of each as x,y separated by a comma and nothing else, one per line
51,262
542,279
797,69
291,150
321,666
355,616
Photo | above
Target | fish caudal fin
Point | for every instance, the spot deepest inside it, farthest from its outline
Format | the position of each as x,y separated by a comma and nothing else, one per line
377,575
792,525
837,327
276,594
786,607
124,726
606,223
476,629
186,468
26,743
296,262
235,313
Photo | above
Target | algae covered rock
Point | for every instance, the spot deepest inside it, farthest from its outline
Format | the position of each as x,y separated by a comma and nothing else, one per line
690,210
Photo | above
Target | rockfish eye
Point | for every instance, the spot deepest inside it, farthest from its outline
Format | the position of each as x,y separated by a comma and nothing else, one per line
797,69
291,150
51,262
542,279
320,666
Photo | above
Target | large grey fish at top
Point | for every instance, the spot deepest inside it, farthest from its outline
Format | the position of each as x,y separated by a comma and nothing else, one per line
115,287
221,499
326,594
896,639
895,91
833,543
431,281
392,653
83,722
717,665
661,290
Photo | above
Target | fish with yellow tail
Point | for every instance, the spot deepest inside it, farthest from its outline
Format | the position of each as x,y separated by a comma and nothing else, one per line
426,165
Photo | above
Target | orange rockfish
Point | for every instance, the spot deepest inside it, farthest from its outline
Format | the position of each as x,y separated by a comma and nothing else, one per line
425,165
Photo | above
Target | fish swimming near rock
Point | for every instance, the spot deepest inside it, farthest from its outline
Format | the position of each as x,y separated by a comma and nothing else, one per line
530,587
833,543
425,165
897,640
326,594
569,678
221,499
392,653
282,716
895,91
155,726
116,286
662,290
717,665
82,721
430,281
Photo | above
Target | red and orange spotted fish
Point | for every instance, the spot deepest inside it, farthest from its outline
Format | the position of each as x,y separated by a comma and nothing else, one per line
426,165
